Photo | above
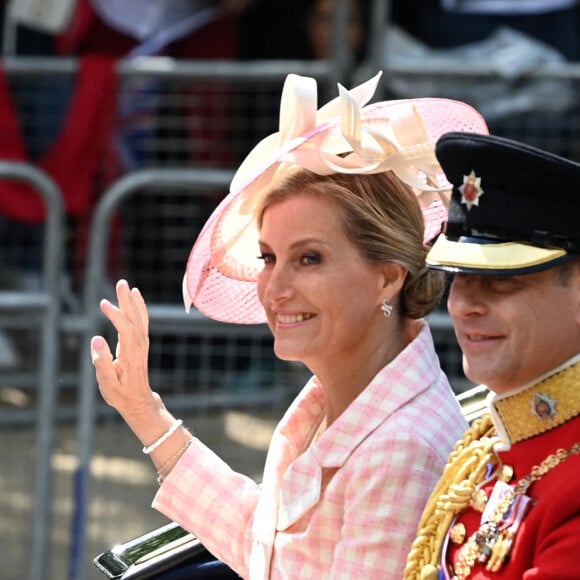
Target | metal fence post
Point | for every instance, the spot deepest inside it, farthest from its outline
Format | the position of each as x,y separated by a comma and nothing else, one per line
47,303
95,277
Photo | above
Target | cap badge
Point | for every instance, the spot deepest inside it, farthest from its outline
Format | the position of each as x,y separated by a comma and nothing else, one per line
471,190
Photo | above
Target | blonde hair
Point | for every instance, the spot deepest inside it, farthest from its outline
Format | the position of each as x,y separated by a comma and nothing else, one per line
382,217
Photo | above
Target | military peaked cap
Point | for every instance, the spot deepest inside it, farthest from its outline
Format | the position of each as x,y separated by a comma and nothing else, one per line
514,208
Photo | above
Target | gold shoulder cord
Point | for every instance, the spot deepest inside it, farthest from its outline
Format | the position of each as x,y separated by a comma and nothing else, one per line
466,468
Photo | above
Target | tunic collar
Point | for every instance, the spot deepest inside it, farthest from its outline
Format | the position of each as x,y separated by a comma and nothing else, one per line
538,406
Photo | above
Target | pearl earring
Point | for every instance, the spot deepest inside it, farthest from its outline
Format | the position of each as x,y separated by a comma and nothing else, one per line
386,308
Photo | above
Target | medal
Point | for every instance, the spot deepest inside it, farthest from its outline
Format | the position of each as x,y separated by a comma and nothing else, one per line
478,500
492,542
457,533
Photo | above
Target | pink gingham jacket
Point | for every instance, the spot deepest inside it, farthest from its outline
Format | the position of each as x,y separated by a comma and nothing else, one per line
347,506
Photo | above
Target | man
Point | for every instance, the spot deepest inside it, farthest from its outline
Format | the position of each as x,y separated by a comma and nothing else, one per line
508,503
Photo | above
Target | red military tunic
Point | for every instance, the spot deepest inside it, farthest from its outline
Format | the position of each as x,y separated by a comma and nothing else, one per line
533,423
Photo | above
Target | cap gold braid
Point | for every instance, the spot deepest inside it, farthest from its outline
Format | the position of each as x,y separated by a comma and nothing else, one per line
465,469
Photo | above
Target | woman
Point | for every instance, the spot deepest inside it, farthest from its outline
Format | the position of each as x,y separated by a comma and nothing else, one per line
327,206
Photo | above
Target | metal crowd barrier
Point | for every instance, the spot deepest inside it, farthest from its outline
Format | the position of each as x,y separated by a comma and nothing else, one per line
161,315
26,309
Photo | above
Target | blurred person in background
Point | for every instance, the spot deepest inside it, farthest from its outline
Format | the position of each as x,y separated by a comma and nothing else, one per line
319,28
159,121
516,39
507,505
323,236
295,30
447,23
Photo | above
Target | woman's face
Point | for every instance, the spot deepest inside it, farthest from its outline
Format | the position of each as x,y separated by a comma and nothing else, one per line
322,299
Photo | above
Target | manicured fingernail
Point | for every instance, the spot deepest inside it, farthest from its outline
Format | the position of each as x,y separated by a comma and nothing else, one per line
97,345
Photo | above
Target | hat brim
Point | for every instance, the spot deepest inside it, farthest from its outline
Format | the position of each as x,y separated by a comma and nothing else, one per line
478,256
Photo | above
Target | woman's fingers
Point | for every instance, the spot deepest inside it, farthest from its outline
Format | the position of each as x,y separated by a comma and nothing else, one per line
130,318
117,318
104,368
126,302
141,307
132,304
100,350
124,380
131,321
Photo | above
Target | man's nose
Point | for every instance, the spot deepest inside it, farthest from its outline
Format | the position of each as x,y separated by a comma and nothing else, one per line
466,297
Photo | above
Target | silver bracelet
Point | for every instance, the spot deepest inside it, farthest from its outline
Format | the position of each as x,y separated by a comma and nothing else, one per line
164,437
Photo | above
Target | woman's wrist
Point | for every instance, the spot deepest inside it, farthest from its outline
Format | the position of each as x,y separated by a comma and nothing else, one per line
164,438
164,469
149,420
166,455
148,449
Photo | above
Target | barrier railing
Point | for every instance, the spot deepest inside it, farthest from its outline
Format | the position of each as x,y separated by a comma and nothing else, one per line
41,306
95,275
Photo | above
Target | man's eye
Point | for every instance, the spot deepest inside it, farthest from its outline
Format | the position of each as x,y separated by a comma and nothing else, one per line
505,283
503,280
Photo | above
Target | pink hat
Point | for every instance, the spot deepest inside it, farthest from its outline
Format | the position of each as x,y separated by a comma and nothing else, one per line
400,135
